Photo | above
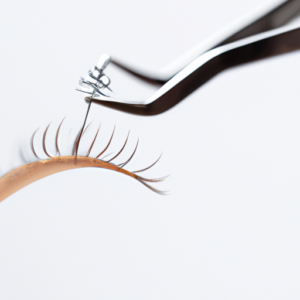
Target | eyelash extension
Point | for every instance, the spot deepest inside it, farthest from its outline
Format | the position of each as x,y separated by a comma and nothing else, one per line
31,172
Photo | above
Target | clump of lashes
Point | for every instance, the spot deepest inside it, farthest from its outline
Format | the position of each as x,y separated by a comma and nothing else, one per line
76,147
28,173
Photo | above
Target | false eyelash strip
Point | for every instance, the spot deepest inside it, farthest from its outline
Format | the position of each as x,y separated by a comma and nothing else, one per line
31,172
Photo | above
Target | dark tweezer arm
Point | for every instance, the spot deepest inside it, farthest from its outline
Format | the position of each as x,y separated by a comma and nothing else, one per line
278,16
275,42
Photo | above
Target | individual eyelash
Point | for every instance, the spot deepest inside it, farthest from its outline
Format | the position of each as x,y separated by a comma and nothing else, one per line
31,172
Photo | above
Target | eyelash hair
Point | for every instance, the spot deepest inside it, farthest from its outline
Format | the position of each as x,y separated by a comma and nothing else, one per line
31,172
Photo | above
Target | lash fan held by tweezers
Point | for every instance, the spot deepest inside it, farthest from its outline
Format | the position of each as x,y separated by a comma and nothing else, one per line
31,172
259,35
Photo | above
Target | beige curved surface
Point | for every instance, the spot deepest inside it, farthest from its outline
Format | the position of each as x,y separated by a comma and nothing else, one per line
29,173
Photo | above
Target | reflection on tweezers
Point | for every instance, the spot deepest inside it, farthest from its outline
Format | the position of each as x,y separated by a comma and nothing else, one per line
269,15
250,43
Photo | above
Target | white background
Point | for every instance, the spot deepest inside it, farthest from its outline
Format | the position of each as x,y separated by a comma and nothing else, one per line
229,228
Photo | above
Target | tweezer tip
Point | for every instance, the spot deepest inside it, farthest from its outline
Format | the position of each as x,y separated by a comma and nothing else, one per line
132,108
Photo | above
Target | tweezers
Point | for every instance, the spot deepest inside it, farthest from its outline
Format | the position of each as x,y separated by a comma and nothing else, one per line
256,37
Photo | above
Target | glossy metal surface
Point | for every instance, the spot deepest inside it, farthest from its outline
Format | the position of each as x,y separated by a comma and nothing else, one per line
261,46
268,16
